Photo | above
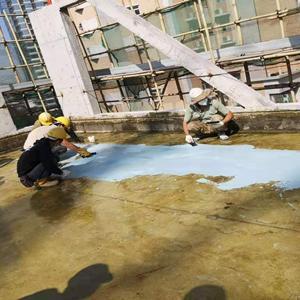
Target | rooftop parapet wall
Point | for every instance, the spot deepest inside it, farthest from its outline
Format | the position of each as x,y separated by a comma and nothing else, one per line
264,121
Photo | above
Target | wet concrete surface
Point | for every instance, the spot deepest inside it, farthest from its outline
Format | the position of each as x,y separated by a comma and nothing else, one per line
151,237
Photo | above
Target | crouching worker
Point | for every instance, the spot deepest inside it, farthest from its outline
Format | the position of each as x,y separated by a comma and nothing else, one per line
45,119
41,131
37,164
206,115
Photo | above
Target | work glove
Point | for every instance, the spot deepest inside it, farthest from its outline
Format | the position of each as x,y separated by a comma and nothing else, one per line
65,173
189,139
84,153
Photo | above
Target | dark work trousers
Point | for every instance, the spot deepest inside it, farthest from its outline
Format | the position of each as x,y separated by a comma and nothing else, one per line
38,172
58,150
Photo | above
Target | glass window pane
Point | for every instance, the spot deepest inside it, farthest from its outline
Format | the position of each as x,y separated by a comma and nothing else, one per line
15,54
269,29
264,7
225,37
153,53
99,62
93,43
154,20
193,41
117,37
19,110
23,74
250,32
181,19
34,102
218,12
289,4
246,8
30,52
292,24
4,61
7,77
125,57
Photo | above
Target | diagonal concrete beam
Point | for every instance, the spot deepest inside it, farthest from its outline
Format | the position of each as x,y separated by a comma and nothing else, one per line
184,56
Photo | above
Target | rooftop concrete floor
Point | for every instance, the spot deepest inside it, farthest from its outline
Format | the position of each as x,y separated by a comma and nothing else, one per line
159,237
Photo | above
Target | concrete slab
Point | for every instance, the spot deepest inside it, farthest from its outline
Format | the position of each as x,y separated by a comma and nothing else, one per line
150,237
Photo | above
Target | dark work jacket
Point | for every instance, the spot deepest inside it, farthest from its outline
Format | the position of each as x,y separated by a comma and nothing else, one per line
39,153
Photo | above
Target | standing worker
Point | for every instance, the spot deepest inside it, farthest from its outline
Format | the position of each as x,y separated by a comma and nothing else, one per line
44,124
35,165
205,115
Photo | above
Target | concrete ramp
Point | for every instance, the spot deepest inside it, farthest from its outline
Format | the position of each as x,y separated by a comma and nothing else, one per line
184,56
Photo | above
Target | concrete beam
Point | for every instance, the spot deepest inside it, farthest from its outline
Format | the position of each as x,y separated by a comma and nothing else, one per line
7,125
62,54
184,56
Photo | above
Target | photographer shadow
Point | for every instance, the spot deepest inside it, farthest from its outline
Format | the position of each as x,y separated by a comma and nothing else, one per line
82,285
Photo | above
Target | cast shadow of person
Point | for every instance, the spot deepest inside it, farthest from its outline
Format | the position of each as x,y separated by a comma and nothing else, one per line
82,285
232,128
53,204
206,292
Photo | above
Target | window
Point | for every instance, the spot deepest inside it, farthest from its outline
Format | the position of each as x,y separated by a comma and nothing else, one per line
226,39
282,98
25,106
135,8
218,11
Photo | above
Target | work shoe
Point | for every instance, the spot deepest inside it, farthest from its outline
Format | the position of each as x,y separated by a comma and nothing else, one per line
45,183
222,136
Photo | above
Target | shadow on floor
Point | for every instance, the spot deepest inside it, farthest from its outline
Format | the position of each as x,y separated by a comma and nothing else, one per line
206,292
5,161
82,285
1,180
55,203
52,204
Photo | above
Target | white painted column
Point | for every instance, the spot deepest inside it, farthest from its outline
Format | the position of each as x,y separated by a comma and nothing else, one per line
64,60
7,125
184,56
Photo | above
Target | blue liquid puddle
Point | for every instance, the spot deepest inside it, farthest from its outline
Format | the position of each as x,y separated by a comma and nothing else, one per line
244,164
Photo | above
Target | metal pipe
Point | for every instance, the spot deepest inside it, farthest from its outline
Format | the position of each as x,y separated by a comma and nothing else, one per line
237,23
93,71
280,18
25,61
206,31
31,36
13,66
200,26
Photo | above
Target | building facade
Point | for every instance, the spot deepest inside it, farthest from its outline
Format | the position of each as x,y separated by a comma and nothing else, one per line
256,41
25,87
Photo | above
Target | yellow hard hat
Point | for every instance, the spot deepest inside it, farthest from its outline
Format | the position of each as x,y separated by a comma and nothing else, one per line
64,121
57,133
46,119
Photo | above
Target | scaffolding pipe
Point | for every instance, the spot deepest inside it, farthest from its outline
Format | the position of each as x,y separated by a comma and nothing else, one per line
25,61
31,37
206,31
200,25
184,56
10,58
280,18
277,14
93,72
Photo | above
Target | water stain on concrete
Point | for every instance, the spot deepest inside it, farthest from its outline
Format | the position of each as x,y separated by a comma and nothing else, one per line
160,237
